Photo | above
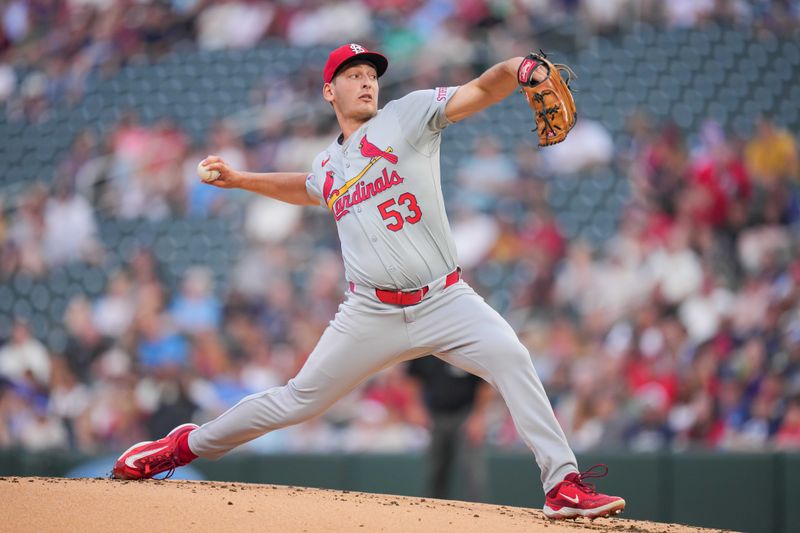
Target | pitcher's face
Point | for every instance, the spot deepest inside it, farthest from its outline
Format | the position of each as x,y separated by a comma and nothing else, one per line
354,92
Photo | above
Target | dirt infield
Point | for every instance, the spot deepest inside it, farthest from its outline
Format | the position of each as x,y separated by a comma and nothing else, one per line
95,505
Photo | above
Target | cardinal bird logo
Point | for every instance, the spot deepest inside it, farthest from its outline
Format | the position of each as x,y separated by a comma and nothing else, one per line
370,150
327,187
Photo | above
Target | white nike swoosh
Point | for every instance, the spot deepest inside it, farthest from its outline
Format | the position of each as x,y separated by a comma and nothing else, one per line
573,500
135,457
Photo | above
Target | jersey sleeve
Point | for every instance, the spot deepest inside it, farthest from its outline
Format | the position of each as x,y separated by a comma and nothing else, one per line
421,115
313,188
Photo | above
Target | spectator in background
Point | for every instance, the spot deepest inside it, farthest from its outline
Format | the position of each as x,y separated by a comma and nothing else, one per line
143,268
577,279
609,421
687,13
233,24
130,147
676,268
174,404
717,178
373,420
113,312
85,344
146,280
703,312
487,175
145,168
707,427
42,431
650,431
588,145
447,44
771,155
761,420
377,429
475,234
299,148
23,359
323,287
69,401
159,173
275,309
761,249
128,144
329,22
27,230
159,347
456,403
70,232
750,306
604,16
576,410
116,409
621,286
196,308
270,221
32,105
255,268
658,162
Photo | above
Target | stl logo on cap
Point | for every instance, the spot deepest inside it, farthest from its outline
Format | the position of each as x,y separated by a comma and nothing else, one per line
351,52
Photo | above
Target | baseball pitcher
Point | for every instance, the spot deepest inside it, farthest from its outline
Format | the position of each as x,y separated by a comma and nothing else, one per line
380,180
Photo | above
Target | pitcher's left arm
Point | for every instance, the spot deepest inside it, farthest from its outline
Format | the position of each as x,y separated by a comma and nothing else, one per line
487,89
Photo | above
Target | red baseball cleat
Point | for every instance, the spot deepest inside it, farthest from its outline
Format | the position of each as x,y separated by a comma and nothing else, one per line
573,498
146,459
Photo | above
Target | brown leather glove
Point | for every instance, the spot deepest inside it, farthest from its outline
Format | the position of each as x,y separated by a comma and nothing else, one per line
550,99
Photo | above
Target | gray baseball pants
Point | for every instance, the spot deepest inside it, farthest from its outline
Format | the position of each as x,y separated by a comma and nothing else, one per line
366,336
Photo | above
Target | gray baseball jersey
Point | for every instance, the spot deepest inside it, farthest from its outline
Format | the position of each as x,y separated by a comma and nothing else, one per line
383,189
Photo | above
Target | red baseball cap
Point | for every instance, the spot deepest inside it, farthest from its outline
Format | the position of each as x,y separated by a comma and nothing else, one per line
347,54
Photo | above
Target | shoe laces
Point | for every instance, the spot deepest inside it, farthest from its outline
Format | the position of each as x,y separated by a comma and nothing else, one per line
168,475
598,470
168,461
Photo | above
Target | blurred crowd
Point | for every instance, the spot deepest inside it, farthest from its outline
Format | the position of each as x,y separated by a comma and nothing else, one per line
48,48
684,330
680,332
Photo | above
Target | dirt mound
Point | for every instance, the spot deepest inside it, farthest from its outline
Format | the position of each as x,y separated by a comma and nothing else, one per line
88,505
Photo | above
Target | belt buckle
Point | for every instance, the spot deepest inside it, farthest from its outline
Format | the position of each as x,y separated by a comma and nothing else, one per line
411,297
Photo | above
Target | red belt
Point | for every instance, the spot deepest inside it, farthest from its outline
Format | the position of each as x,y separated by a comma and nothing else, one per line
405,298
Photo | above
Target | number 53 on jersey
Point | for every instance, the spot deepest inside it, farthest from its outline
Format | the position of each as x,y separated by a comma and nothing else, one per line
394,210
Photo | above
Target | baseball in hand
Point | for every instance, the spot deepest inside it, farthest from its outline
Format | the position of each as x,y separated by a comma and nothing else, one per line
206,175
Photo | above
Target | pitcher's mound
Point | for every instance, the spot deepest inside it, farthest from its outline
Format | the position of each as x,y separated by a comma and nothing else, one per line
104,505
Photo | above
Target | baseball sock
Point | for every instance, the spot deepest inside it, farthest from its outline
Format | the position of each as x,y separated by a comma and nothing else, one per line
185,454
